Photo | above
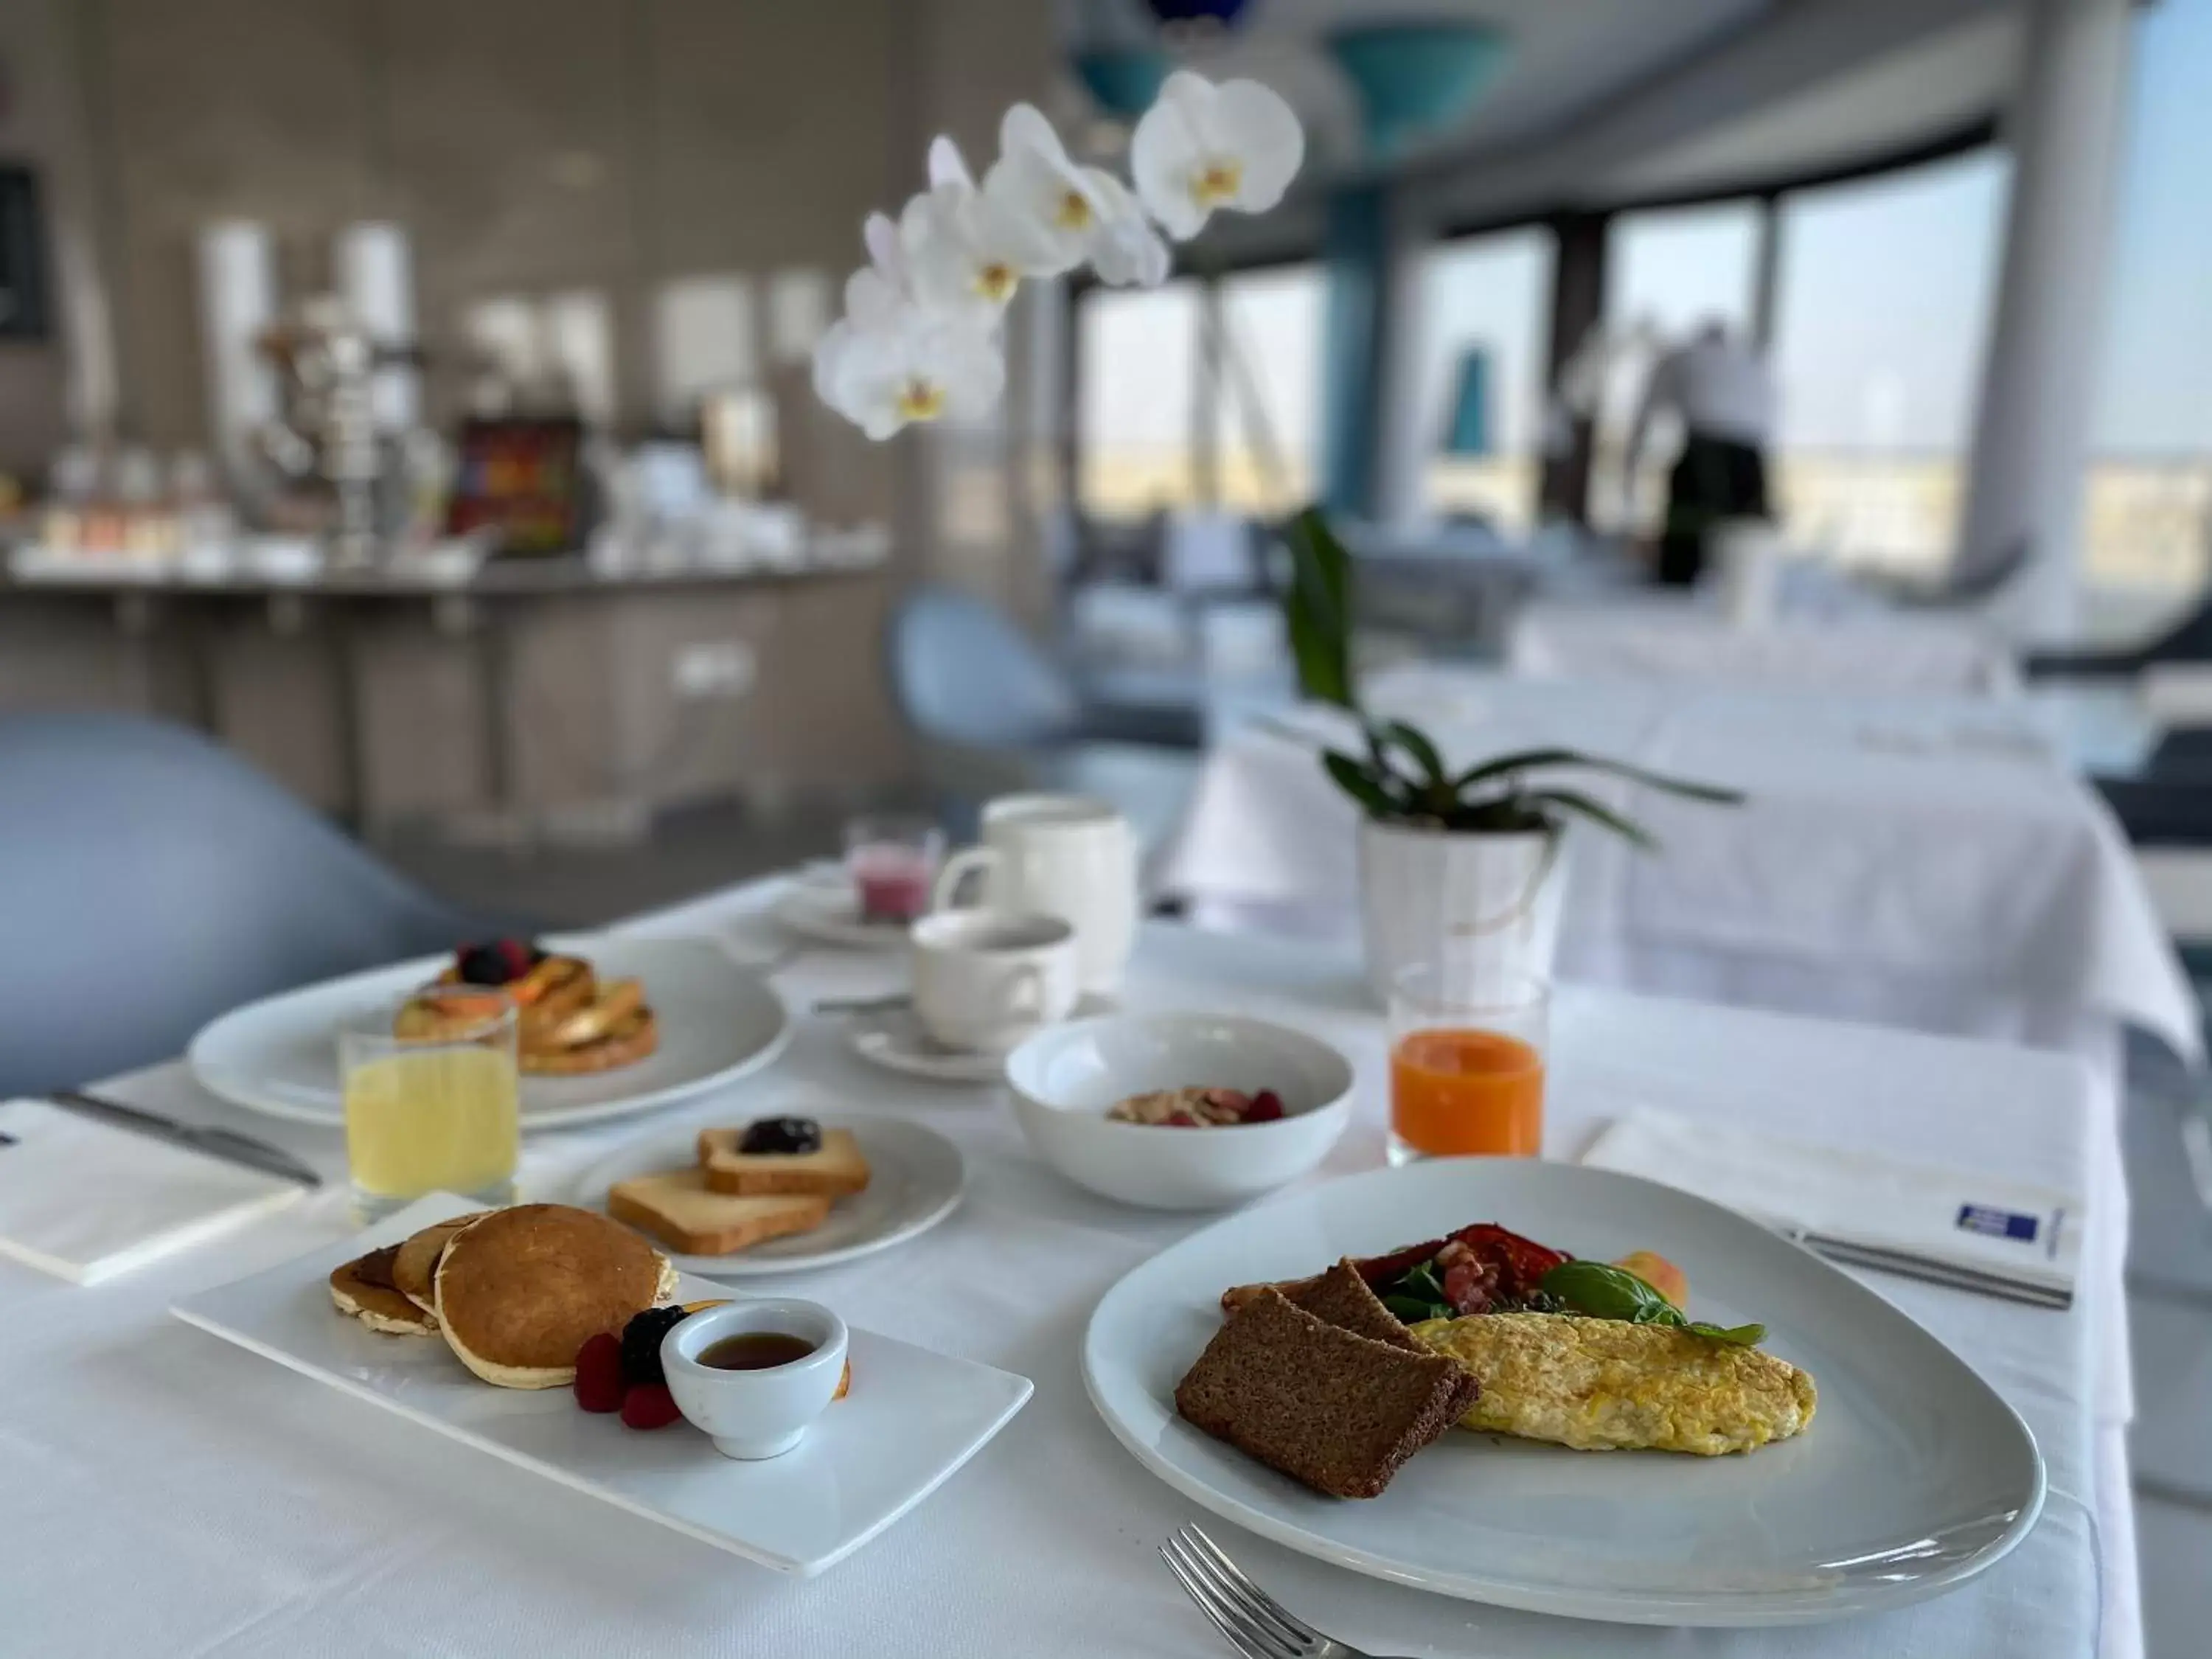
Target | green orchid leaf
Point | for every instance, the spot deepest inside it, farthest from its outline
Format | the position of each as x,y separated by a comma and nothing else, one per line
1317,610
1573,800
1416,744
1529,760
1360,780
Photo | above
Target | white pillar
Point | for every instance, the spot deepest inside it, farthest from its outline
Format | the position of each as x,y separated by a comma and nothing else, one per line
1406,431
2031,443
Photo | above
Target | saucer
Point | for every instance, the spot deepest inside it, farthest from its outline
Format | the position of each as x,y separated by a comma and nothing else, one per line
893,1038
823,907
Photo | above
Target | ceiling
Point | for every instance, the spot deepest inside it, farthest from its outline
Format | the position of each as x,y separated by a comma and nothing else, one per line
1574,62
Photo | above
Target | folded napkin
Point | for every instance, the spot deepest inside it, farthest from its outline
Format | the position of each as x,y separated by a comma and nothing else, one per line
2031,1235
86,1201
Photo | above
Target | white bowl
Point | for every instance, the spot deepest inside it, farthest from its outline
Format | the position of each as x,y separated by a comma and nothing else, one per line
755,1415
1065,1078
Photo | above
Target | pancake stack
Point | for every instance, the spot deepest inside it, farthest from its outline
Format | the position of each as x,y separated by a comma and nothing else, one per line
568,1021
514,1292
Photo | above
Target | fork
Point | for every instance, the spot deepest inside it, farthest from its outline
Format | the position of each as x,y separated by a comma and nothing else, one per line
1257,1626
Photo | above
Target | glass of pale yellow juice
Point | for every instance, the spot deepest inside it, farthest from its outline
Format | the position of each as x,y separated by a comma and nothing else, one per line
432,1096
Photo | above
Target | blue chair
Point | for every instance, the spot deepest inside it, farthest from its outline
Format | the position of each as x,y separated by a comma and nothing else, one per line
995,714
150,880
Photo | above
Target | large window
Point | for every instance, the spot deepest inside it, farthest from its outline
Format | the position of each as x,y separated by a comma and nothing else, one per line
1481,380
1176,413
1137,369
1267,392
1672,272
1882,320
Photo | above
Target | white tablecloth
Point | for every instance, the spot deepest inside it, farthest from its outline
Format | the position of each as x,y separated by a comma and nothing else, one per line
1670,638
163,1493
1919,862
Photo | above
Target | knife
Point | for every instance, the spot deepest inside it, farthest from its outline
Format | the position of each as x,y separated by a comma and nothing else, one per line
226,1144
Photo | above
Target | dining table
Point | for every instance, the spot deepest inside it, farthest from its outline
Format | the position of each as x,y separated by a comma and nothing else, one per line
162,1491
1682,638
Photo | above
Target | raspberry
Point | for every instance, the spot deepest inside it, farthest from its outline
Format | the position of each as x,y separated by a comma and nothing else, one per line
598,1373
1267,1106
641,1344
649,1406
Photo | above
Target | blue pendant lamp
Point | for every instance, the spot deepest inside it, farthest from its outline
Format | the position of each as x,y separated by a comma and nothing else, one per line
1123,81
1224,12
1415,78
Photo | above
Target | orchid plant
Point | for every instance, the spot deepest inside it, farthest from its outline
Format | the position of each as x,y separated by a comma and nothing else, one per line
919,337
1402,778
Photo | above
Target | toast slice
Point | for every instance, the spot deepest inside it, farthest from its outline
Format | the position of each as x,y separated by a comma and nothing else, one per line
1339,1411
678,1207
837,1170
1342,1298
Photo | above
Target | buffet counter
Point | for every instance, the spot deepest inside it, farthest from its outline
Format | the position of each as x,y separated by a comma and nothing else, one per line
513,693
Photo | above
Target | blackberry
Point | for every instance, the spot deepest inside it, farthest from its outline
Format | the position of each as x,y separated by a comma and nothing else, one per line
782,1135
641,1344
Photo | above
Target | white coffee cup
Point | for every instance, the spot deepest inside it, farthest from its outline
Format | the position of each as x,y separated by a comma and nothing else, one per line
1058,855
986,982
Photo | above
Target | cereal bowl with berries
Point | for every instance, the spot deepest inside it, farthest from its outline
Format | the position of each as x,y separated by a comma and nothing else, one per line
1181,1111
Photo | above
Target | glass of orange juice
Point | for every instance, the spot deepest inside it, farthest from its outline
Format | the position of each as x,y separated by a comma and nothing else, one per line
432,1097
1466,1062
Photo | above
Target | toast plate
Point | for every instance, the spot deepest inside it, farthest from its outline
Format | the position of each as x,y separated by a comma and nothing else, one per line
1912,1477
719,1022
912,1419
915,1177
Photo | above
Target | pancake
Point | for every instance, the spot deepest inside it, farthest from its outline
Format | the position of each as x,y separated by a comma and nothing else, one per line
362,1289
414,1269
518,1293
634,1036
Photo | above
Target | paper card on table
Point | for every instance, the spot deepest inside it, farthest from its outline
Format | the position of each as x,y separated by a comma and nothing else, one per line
2023,1231
85,1201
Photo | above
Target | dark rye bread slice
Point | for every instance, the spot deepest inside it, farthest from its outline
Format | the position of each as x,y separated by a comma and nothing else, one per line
1344,1299
1334,1410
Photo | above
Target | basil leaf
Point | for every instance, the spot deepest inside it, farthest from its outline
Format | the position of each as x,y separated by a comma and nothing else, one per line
1602,1291
1742,1336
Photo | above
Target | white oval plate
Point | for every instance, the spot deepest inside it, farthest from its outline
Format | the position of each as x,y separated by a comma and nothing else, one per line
1913,1476
717,1022
915,1177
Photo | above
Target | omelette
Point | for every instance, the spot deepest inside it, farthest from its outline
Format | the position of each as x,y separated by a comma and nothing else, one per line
1608,1385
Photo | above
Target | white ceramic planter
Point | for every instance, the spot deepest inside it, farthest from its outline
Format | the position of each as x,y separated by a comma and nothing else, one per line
1491,901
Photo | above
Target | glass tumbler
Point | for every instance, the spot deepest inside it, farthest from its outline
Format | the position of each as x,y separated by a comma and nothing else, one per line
1466,1062
432,1097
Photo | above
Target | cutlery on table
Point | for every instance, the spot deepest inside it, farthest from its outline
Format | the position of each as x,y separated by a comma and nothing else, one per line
226,1144
883,1004
1931,1270
1254,1623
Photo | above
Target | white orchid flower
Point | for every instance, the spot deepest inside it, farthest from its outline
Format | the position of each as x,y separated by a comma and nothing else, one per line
909,366
1202,146
963,250
1124,248
1035,180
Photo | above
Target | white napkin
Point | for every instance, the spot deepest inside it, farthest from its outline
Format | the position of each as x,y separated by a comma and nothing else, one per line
2028,1233
86,1201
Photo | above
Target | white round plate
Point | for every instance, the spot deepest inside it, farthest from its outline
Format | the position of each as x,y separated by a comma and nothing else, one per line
915,1176
823,908
893,1039
717,1022
1913,1476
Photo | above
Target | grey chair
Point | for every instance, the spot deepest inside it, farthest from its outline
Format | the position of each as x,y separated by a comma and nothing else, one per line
150,880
